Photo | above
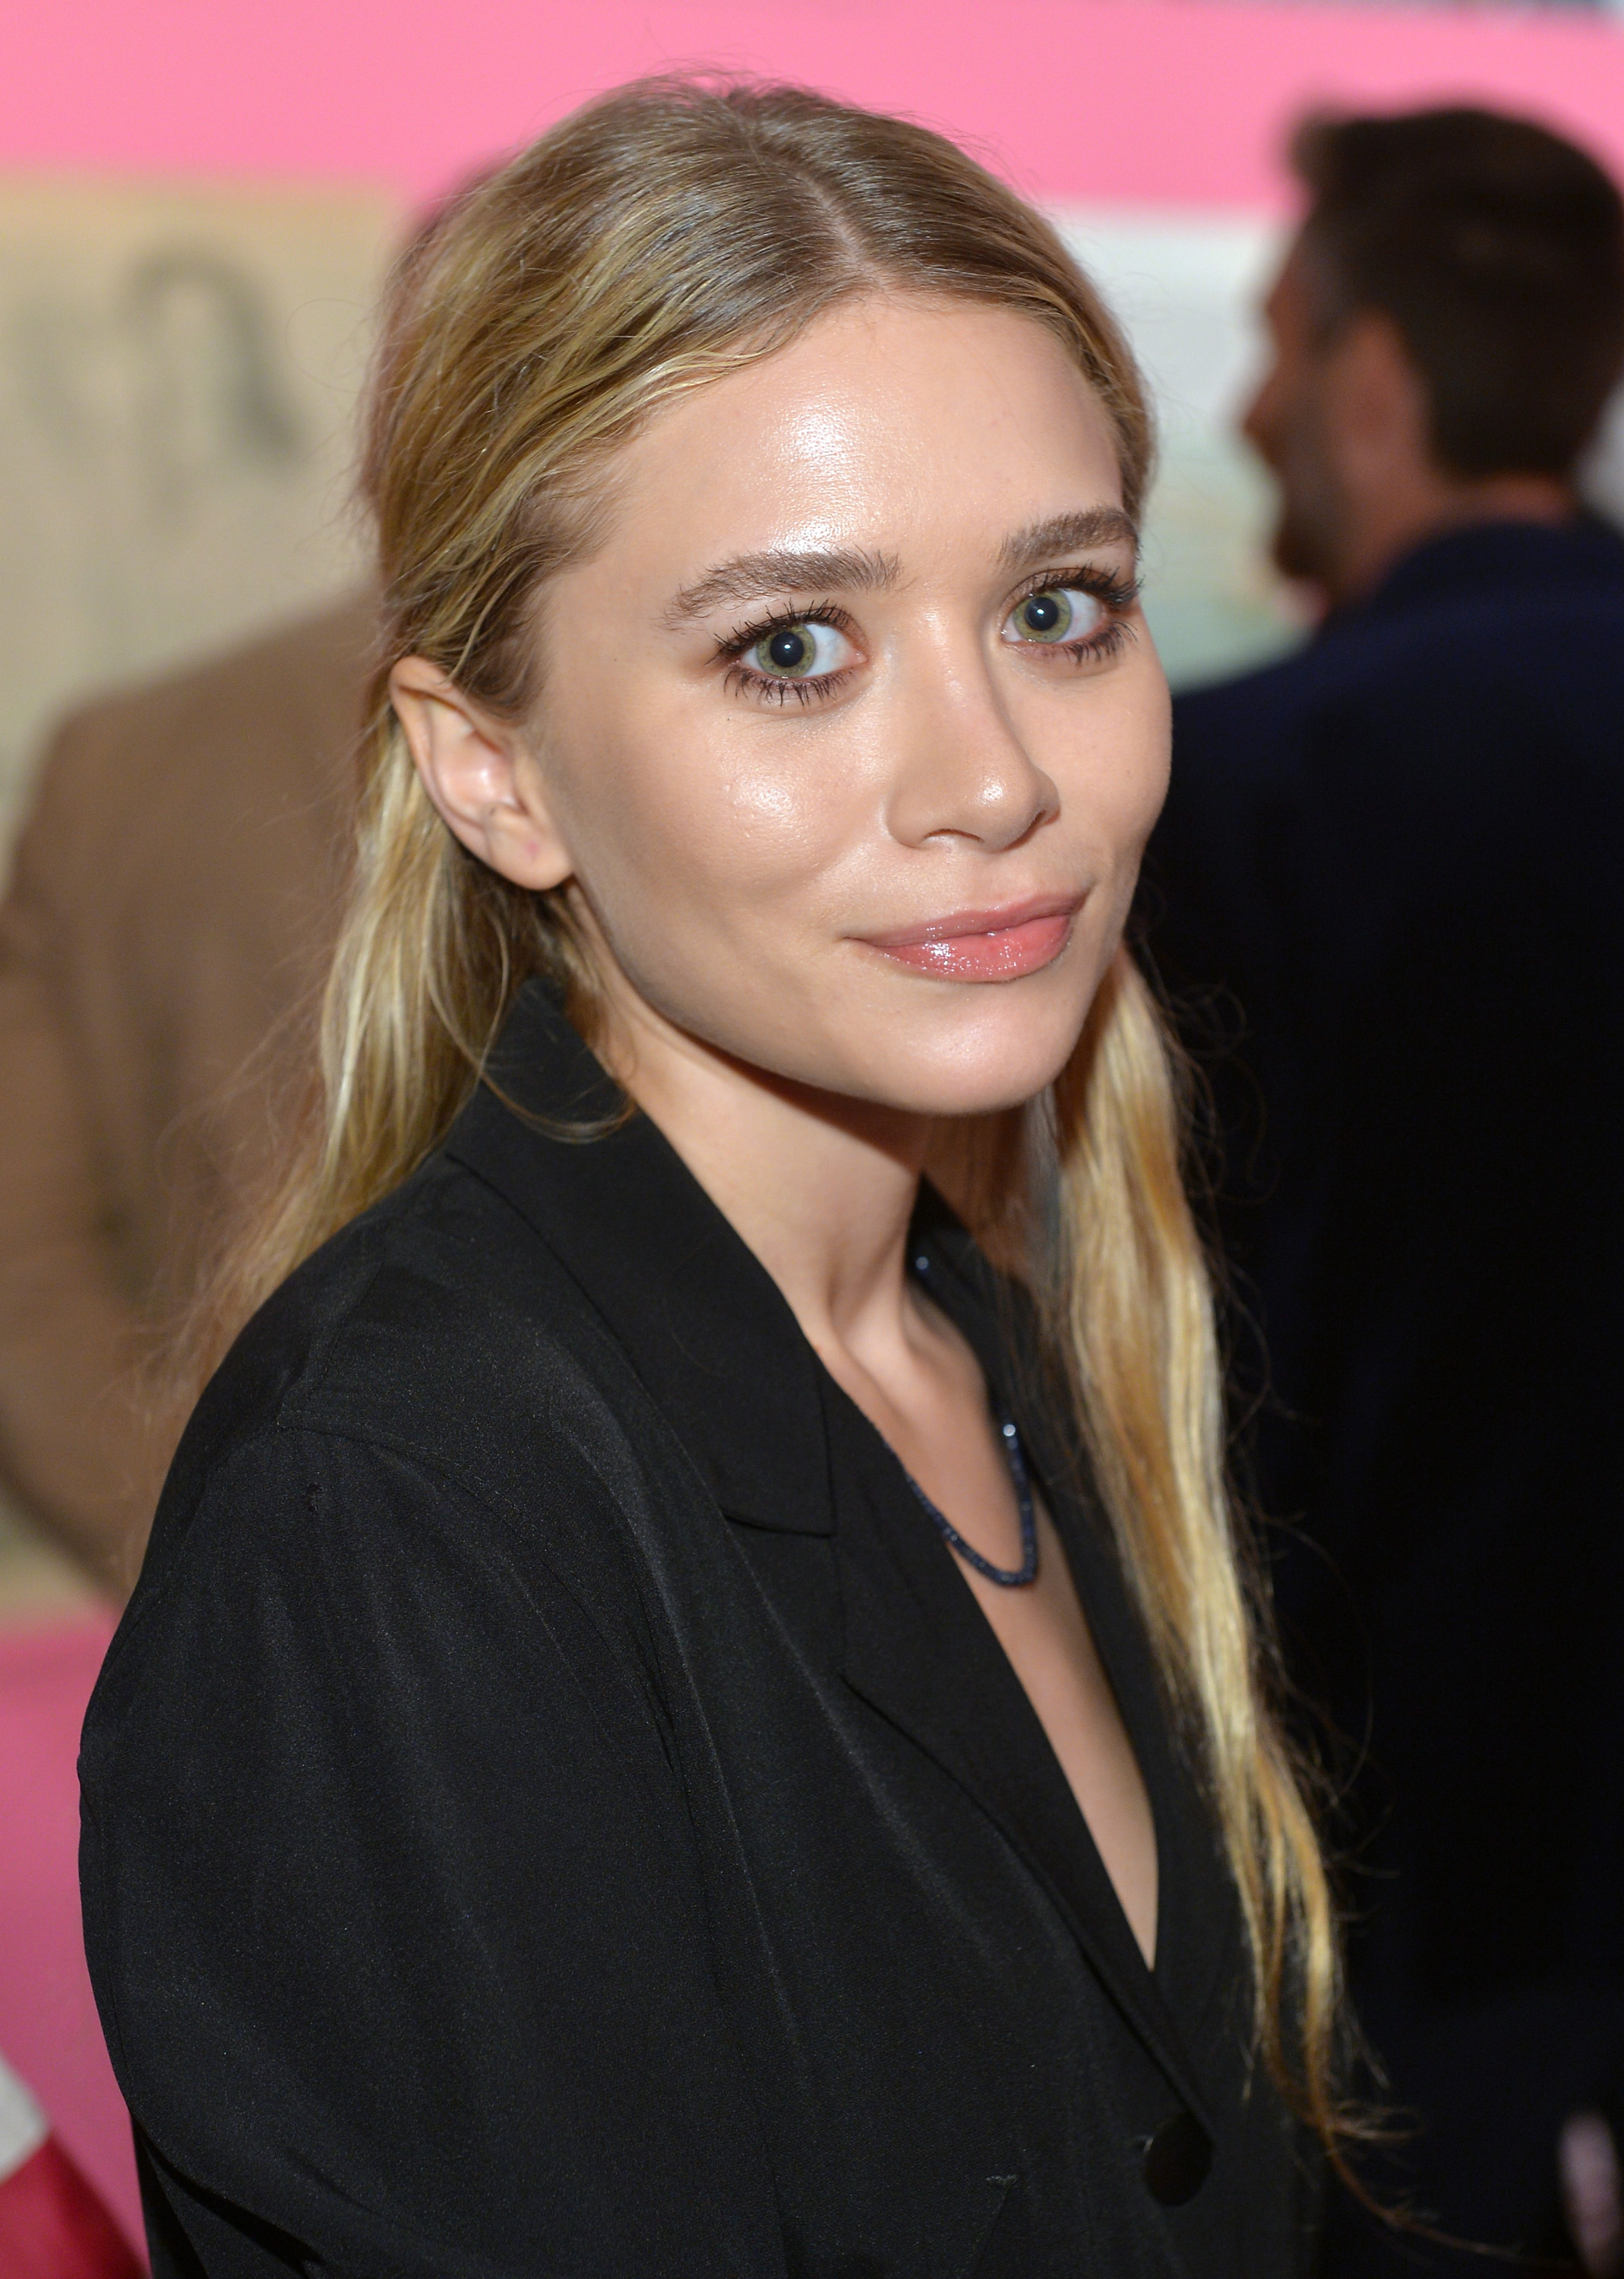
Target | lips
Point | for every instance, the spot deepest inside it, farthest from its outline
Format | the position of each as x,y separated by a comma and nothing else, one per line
999,945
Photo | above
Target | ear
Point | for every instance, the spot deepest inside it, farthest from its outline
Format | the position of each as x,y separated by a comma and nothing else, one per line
480,775
1380,400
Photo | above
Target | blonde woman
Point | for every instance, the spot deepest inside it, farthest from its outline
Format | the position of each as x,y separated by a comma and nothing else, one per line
680,1719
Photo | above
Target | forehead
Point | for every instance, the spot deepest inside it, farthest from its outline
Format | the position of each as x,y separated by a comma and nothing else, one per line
903,426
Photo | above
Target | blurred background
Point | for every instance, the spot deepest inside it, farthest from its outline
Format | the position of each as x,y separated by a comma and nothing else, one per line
197,206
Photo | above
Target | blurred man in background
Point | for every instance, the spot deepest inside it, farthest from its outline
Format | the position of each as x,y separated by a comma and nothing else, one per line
1401,854
164,937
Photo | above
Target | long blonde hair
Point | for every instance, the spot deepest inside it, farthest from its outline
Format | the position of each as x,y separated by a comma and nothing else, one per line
672,232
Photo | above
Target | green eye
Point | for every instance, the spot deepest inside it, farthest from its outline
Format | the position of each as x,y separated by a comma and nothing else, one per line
1059,613
1046,616
797,652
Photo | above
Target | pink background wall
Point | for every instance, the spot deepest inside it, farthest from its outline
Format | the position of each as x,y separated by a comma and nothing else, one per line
1161,102
49,2030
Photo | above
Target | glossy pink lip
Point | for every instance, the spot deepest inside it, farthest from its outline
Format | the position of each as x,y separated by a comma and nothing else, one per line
985,945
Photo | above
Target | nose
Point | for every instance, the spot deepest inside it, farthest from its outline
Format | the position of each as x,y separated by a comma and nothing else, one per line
1259,423
963,770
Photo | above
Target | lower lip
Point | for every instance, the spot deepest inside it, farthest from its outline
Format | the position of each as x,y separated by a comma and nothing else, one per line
1004,956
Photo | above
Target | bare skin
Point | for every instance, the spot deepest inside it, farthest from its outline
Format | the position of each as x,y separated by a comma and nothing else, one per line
1344,426
915,503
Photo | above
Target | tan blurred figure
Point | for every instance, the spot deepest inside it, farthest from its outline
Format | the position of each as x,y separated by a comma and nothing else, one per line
170,909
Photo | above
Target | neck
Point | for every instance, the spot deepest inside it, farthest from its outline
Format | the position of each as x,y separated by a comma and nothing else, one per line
1404,516
821,1189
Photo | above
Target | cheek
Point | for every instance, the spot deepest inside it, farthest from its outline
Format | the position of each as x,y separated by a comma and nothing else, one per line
1114,780
707,825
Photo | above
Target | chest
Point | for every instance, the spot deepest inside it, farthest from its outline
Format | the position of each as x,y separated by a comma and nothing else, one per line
958,2053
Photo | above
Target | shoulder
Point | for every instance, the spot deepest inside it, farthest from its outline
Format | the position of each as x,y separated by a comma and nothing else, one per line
1238,749
1242,724
1216,713
1238,743
1457,651
315,666
435,1357
1249,734
424,1455
286,707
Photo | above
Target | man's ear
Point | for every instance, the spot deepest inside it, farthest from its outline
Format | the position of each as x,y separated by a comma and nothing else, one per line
478,772
1381,398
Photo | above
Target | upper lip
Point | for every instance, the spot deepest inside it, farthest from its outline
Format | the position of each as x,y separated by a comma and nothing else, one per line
953,924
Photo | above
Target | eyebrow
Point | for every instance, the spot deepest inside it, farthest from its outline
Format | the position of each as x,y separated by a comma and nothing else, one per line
846,570
748,576
1041,543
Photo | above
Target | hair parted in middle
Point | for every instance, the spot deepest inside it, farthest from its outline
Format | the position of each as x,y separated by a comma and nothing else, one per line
671,233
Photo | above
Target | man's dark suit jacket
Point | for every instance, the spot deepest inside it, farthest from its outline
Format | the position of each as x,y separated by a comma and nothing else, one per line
554,1810
1390,879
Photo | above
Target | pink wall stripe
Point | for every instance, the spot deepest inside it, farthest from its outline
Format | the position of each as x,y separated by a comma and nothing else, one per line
50,2033
1159,102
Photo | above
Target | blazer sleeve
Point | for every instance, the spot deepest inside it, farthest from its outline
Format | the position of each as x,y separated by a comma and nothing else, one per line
391,1902
75,1446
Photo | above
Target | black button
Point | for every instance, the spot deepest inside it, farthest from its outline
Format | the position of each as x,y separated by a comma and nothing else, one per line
1176,2160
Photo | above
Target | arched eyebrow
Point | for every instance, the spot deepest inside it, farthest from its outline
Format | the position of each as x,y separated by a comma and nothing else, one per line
747,576
844,570
1041,545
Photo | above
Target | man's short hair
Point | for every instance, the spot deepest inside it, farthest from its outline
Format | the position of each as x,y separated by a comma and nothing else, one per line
1497,251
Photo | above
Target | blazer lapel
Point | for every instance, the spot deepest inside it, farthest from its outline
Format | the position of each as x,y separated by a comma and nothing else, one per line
714,1342
918,1650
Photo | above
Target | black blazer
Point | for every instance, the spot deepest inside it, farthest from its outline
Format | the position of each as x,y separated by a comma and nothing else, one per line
1401,853
554,1807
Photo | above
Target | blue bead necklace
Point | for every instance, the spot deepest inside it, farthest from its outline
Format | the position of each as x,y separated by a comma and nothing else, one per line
1008,1578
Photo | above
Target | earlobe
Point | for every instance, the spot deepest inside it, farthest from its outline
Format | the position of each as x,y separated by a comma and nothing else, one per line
480,774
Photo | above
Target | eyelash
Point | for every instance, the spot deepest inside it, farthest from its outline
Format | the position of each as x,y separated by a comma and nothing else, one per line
1118,595
741,681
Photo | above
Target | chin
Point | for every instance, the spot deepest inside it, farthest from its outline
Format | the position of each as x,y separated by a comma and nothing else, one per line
993,1057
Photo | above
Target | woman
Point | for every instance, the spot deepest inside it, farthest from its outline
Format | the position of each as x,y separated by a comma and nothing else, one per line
644,1743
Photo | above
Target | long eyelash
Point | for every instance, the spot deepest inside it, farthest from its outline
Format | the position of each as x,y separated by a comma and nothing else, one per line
775,691
739,677
1110,641
1119,596
744,637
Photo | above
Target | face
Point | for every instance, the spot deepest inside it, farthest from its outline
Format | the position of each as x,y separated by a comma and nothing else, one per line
1288,424
851,732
